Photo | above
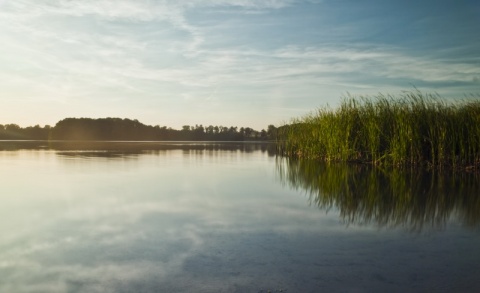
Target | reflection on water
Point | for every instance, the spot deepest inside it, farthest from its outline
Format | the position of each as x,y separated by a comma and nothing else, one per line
131,149
411,198
107,148
205,217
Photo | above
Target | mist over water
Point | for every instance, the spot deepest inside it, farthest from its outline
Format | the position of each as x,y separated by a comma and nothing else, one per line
211,217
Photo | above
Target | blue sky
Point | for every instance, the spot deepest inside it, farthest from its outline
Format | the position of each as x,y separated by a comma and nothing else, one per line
226,62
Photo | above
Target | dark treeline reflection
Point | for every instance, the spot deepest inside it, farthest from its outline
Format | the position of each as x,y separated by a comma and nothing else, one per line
117,149
413,199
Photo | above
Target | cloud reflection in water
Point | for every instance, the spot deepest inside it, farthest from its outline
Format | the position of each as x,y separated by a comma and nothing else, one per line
213,220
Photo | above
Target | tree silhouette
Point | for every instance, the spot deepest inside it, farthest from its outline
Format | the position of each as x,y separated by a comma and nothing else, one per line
117,129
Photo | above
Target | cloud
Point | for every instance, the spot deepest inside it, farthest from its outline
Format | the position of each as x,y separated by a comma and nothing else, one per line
218,53
131,10
118,57
250,4
108,9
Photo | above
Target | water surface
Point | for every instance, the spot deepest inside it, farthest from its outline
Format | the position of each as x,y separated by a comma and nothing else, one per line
210,217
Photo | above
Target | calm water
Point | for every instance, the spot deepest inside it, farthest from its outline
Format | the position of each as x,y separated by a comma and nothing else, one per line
228,218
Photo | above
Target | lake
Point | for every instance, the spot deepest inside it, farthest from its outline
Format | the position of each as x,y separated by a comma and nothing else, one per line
231,217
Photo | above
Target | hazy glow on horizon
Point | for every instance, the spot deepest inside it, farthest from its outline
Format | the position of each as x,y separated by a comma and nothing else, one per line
225,62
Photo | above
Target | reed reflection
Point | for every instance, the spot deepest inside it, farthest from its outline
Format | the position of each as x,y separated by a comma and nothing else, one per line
388,198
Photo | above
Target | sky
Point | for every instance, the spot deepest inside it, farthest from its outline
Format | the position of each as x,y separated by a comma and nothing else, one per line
246,63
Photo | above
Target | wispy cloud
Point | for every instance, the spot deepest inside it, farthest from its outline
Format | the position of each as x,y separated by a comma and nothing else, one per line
165,50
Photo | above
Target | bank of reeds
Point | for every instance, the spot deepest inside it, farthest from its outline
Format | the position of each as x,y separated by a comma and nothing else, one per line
411,130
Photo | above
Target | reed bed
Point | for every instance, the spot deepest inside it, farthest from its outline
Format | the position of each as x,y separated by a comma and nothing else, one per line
414,129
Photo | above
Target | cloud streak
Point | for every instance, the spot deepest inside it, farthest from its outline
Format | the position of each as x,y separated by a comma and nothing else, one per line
146,51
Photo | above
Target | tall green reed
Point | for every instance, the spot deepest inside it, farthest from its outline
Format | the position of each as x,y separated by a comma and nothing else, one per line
411,130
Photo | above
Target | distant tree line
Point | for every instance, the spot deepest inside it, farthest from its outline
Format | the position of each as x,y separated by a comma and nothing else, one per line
15,132
131,130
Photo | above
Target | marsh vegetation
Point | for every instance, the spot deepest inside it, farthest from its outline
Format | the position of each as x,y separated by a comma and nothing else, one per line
411,130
